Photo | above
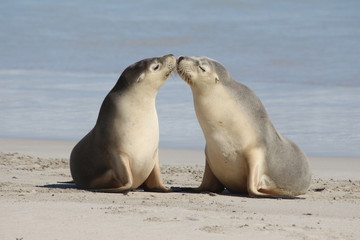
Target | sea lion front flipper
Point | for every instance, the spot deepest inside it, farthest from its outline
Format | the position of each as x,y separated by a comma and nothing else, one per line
154,182
210,183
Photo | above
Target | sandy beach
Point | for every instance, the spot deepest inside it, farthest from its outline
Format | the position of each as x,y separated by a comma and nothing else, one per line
34,205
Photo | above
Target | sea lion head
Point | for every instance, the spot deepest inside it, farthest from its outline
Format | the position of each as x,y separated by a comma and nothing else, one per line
151,72
199,72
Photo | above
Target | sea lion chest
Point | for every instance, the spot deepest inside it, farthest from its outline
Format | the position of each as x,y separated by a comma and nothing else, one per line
136,130
228,130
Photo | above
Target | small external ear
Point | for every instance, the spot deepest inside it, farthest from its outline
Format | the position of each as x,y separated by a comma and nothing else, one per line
217,79
140,78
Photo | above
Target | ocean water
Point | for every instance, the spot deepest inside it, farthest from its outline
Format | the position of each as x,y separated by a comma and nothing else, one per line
58,60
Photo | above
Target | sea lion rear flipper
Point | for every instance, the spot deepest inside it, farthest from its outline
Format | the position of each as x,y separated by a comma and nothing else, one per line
117,179
259,184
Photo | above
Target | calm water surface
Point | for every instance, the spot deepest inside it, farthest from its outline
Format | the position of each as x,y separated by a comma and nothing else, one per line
59,59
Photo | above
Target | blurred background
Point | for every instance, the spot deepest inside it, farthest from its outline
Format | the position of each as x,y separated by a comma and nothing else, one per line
59,59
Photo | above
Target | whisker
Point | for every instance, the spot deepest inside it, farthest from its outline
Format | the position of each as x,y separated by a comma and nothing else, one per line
183,73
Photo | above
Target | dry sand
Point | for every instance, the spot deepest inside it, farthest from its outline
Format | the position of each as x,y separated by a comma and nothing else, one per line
33,205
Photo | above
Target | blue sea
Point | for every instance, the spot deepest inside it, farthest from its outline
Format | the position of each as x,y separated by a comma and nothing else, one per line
59,59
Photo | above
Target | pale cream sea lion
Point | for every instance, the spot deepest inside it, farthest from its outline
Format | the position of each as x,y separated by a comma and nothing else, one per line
121,152
244,152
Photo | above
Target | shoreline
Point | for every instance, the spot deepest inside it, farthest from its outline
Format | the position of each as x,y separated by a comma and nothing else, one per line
341,168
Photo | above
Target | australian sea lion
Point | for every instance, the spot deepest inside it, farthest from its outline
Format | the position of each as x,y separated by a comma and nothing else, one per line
244,152
121,152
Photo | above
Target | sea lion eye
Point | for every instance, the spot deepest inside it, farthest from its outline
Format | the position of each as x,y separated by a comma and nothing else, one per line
155,67
202,69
